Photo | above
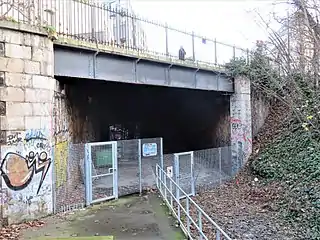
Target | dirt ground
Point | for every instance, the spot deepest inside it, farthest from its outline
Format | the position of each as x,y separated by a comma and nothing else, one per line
245,209
131,217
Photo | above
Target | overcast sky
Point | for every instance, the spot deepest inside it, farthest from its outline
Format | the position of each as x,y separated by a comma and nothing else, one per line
230,21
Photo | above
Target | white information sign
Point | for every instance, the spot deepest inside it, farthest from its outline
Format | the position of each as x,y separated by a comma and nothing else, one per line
149,149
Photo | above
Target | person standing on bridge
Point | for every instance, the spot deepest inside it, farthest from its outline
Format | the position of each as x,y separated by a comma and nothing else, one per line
182,53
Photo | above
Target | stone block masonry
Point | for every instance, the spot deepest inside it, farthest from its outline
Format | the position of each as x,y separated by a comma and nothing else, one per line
27,88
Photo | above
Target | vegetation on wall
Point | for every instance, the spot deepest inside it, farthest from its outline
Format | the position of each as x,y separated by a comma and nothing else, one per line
291,157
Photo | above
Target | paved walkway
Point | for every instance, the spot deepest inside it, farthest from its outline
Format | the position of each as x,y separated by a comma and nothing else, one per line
132,217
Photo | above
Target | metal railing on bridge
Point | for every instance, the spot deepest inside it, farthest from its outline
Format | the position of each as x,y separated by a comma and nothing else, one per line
118,28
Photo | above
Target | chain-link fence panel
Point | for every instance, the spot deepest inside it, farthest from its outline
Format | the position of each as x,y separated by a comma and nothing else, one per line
211,167
102,171
69,176
168,161
226,162
151,155
128,167
185,173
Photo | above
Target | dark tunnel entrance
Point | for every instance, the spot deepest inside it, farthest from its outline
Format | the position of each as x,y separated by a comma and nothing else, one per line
186,119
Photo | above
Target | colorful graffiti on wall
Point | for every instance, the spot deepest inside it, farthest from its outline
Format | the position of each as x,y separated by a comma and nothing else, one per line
28,155
17,171
61,157
25,168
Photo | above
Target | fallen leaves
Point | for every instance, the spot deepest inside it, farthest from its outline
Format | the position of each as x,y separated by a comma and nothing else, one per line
245,210
14,230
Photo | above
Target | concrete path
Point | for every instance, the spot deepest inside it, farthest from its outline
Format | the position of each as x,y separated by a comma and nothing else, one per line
132,217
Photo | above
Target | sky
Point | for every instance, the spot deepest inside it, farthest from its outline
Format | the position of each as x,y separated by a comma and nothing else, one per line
235,22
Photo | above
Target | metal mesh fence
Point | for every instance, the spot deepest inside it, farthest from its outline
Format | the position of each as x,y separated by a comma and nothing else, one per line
136,166
137,161
69,176
128,167
151,155
184,169
102,169
211,167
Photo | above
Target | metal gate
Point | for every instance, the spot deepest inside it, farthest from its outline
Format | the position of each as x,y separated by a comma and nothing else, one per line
184,175
101,171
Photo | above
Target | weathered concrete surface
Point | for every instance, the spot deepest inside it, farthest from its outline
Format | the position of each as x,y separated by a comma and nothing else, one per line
240,123
133,217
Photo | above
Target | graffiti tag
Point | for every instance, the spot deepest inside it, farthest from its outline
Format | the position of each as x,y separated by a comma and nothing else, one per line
18,171
34,134
14,139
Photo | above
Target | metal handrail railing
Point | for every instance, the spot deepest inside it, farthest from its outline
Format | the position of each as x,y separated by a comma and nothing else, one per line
161,180
91,21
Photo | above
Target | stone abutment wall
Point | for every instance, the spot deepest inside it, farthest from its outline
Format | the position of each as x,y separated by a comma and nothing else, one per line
241,123
27,87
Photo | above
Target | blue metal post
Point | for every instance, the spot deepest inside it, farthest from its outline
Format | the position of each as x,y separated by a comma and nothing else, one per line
200,224
88,176
161,153
193,187
140,166
188,214
176,172
115,166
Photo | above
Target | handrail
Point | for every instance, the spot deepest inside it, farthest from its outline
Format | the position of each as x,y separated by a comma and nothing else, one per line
159,173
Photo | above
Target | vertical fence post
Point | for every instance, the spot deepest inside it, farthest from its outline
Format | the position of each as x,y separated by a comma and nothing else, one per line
88,178
157,176
117,14
193,48
161,159
116,173
171,194
234,52
193,180
54,177
220,168
167,39
188,214
140,166
165,186
178,202
215,52
161,153
93,21
200,224
218,237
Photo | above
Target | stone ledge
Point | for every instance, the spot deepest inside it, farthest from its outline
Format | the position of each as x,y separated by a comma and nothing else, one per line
22,27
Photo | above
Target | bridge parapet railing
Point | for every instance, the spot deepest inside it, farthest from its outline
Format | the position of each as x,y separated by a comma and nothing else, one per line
194,222
119,28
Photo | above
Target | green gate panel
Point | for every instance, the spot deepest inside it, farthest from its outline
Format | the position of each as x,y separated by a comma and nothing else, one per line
104,157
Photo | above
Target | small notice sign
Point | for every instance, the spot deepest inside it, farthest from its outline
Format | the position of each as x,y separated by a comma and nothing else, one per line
149,149
170,171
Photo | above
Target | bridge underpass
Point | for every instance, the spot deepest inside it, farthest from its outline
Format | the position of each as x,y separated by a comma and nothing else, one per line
87,119
186,119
